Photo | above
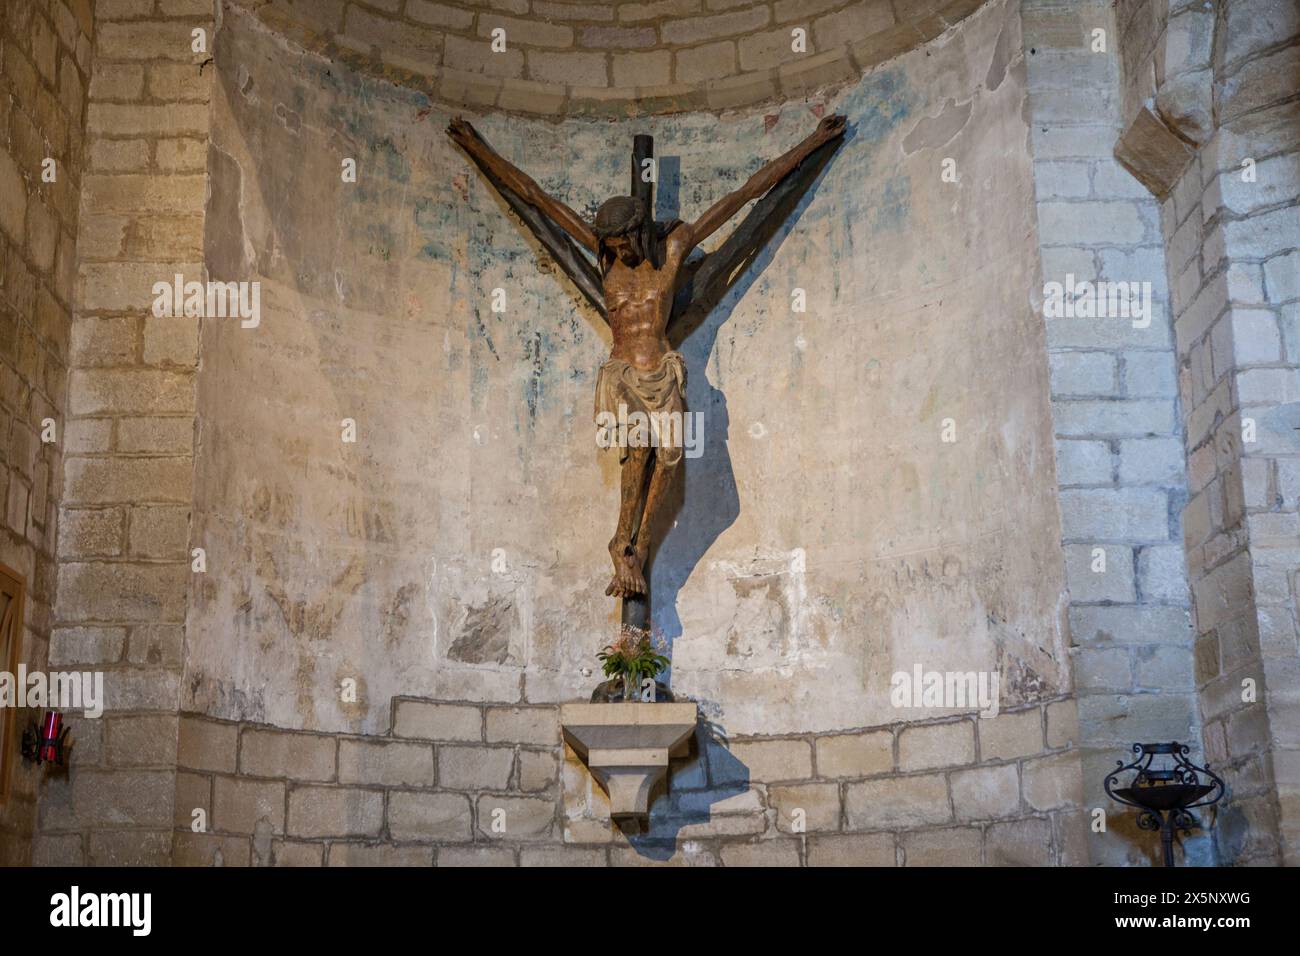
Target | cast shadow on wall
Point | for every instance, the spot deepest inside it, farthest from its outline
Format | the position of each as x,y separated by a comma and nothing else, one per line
690,524
711,774
715,284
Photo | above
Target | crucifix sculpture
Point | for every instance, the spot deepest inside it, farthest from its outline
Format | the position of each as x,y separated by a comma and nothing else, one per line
642,283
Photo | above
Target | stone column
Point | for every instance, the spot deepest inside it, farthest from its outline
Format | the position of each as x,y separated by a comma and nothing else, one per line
1119,455
124,565
1216,135
45,52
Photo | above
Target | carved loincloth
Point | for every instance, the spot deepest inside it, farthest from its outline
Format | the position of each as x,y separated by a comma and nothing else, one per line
649,391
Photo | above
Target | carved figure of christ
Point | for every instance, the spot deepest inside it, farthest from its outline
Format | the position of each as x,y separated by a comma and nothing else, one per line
640,269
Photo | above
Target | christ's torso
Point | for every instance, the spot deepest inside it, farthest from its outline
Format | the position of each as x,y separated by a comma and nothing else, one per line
639,302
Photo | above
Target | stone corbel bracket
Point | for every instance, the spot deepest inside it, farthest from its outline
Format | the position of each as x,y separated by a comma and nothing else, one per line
627,747
1177,117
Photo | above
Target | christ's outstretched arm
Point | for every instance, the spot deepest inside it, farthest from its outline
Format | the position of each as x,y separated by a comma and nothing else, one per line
468,138
758,184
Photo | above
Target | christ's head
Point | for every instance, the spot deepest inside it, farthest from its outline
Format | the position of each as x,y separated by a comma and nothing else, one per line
619,232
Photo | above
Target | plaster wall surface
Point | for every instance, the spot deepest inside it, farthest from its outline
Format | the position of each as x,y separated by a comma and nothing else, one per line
828,536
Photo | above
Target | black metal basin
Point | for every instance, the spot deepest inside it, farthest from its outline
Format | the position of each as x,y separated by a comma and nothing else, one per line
1170,796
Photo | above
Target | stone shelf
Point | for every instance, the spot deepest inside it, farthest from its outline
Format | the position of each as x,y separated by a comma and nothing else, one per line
627,747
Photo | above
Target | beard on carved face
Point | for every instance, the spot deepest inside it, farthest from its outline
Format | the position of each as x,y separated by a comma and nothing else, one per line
626,248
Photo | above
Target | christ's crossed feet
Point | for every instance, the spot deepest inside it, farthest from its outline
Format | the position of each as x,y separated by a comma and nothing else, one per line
628,579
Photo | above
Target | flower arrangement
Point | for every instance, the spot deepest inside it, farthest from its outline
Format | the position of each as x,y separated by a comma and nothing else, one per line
633,657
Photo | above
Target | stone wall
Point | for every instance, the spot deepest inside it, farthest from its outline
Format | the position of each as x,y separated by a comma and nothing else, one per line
1120,459
1220,147
124,566
368,666
466,784
612,58
45,53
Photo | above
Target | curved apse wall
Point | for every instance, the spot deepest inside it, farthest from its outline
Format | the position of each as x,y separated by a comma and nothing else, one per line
611,57
828,536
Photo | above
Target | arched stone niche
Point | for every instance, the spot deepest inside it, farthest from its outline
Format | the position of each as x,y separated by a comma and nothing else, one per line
830,536
562,58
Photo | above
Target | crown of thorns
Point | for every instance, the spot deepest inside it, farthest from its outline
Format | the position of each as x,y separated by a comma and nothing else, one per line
619,216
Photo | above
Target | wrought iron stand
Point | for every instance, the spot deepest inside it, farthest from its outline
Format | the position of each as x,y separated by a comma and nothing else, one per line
1166,793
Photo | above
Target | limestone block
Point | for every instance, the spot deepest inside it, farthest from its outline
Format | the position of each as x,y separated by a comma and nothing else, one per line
116,81
86,645
378,854
642,69
762,853
137,798
1112,222
207,744
699,29
293,853
1083,462
1259,83
986,793
430,721
914,800
1053,783
1088,585
388,764
855,755
130,848
538,769
708,61
538,726
112,591
145,40
405,43
1062,724
68,850
277,753
1019,843
1114,515
806,807
566,856
130,392
936,745
210,849
773,760
476,856
950,846
569,69
239,805
844,849
193,792
472,56
336,812
1008,736
439,15
516,818
475,768
142,740
425,817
